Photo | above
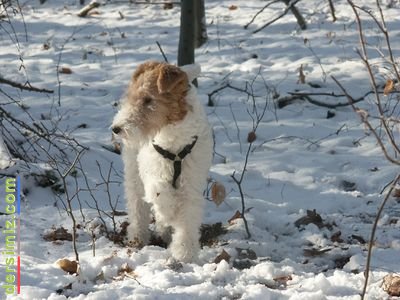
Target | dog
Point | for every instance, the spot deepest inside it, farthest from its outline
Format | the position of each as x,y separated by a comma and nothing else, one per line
167,153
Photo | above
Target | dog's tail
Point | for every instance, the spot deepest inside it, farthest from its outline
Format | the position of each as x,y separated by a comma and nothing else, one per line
192,71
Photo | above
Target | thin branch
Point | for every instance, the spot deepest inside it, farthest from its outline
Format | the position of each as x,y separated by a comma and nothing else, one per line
364,58
162,52
288,7
27,86
259,12
373,231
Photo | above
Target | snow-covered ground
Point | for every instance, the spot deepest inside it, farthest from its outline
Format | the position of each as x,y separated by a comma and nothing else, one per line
301,160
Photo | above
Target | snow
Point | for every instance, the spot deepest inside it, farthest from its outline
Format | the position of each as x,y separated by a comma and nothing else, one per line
299,161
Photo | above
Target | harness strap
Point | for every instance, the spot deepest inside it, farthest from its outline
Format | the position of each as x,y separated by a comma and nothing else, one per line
176,158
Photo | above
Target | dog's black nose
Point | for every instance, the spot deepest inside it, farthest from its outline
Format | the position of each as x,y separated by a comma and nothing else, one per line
116,129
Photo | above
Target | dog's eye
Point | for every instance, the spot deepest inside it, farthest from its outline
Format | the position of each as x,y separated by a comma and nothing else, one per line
147,100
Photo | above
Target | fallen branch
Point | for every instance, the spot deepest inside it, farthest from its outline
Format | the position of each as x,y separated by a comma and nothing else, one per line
27,86
85,10
306,96
290,6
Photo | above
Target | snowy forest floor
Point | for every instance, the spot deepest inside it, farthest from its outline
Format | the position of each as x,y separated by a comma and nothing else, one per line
304,158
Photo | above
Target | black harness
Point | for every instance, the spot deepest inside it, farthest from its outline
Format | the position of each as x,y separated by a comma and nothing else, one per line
176,158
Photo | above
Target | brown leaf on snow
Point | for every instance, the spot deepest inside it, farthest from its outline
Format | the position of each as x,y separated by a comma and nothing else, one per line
312,217
58,234
336,237
125,271
302,76
218,193
283,280
65,70
222,256
168,6
251,137
396,193
358,238
70,266
236,216
389,87
391,284
232,7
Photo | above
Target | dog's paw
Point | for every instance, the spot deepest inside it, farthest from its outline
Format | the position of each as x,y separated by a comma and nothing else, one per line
184,251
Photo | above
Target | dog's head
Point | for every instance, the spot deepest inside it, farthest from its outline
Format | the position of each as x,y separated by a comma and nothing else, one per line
156,97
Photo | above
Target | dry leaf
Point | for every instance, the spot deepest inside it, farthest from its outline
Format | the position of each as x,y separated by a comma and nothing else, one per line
58,234
233,7
391,284
312,217
302,76
67,265
396,193
389,87
358,238
283,280
125,268
336,237
218,193
251,137
125,271
168,6
65,70
237,215
223,256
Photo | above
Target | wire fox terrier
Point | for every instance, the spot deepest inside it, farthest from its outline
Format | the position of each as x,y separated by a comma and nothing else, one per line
167,153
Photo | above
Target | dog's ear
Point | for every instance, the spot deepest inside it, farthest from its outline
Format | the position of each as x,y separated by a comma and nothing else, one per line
169,78
147,66
192,71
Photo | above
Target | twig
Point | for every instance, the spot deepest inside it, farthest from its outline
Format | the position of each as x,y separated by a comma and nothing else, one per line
332,8
364,57
259,12
364,118
225,86
373,231
162,52
69,199
239,184
288,7
27,86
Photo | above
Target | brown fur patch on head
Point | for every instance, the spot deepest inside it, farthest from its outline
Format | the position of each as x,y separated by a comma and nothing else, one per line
157,96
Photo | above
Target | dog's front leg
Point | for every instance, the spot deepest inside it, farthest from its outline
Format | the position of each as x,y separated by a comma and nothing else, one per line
138,210
186,225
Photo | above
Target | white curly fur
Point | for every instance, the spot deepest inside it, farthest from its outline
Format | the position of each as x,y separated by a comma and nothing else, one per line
148,176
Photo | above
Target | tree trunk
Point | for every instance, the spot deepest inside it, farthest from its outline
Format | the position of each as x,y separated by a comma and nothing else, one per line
187,33
300,20
200,23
